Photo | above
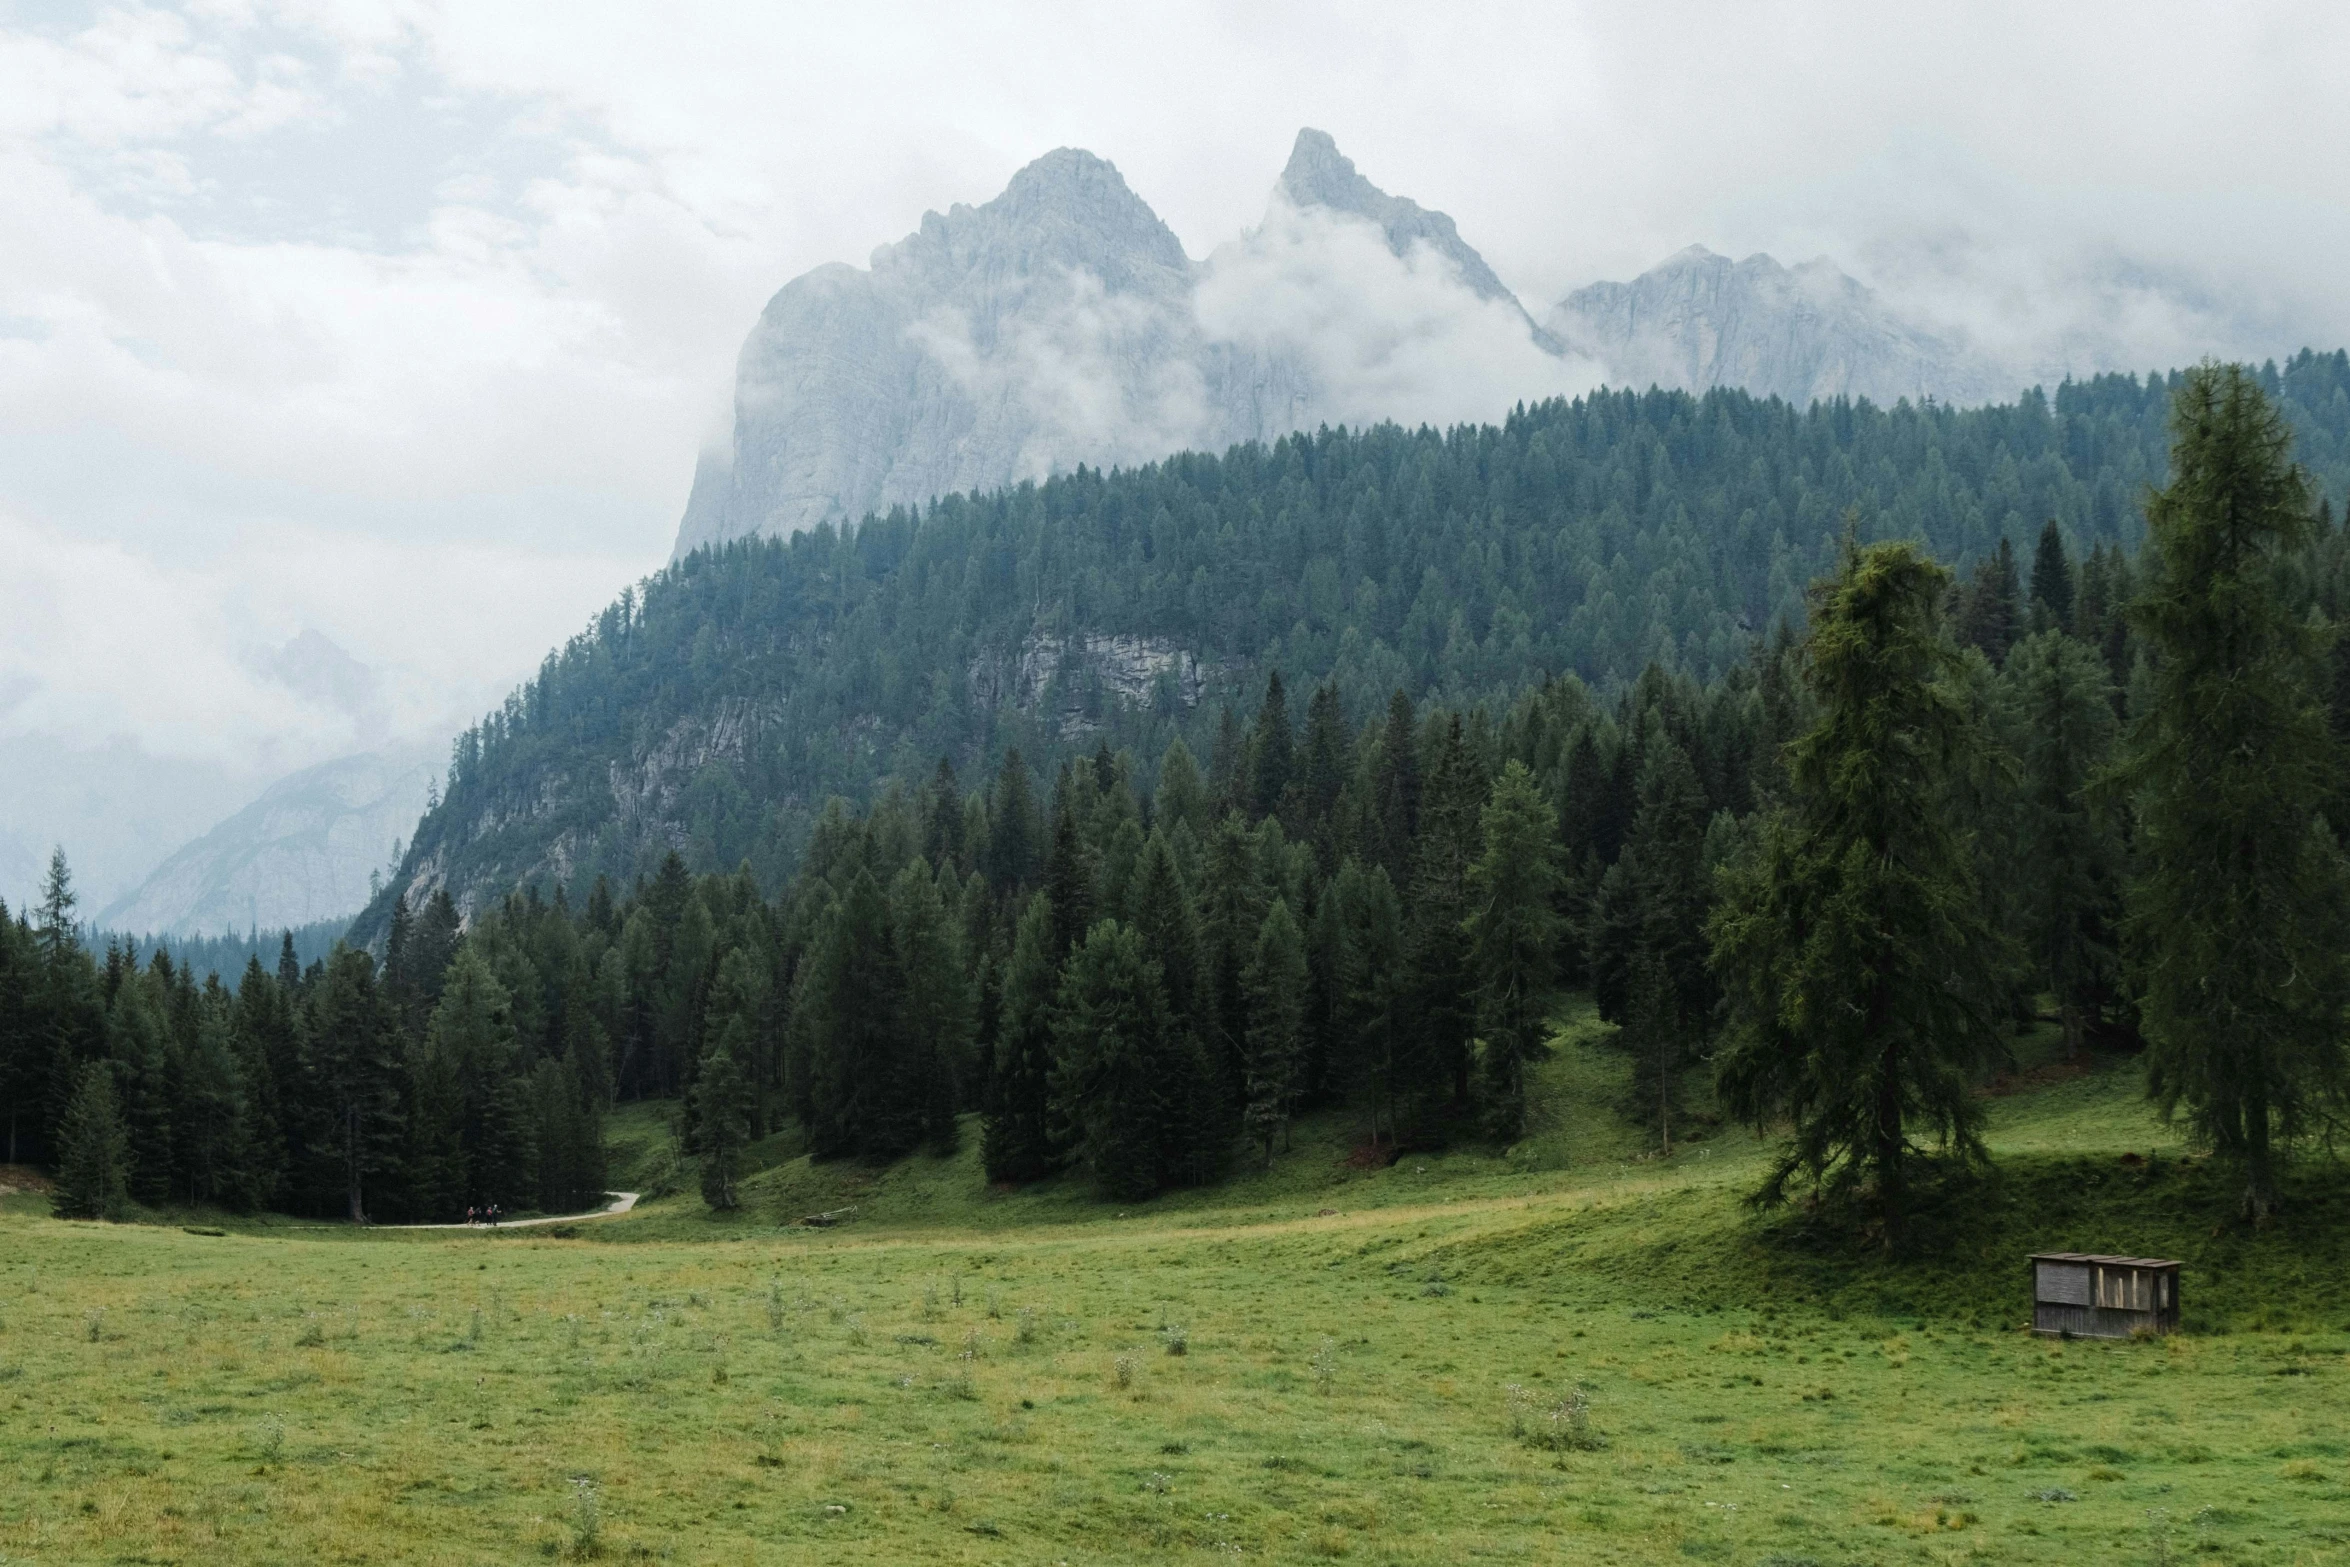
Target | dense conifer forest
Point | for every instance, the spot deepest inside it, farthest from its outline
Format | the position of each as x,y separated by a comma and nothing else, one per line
1833,872
715,710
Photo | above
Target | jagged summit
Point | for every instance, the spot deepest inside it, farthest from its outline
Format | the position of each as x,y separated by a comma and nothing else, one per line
1319,175
1068,206
1062,323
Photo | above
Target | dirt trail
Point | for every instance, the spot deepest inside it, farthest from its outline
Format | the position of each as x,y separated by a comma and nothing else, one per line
621,1202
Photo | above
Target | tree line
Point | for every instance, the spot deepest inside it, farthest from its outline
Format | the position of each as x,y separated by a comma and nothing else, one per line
1834,876
713,709
464,1070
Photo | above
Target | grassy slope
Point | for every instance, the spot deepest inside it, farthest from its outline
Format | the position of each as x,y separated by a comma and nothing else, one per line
742,1390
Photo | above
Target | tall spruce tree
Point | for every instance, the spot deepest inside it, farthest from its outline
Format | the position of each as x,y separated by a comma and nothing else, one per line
1515,934
1017,1139
1852,947
1990,611
1119,1090
722,1098
2067,842
1275,982
93,1166
936,1012
1379,1059
1649,958
1272,753
1393,819
2052,582
2235,920
1439,960
1072,869
472,1033
1323,773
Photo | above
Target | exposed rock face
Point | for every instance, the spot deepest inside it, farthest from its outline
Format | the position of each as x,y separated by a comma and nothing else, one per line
1049,327
1700,320
301,852
1079,675
1062,324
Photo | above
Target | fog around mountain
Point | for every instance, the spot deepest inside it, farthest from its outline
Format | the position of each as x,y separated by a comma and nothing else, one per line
303,852
1062,324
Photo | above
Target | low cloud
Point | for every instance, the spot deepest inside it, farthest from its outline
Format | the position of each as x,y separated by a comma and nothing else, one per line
1372,335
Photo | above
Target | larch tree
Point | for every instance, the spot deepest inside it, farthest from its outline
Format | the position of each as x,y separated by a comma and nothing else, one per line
1860,971
2235,920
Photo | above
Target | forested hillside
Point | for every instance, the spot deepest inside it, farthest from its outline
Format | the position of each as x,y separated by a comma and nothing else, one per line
713,711
1839,870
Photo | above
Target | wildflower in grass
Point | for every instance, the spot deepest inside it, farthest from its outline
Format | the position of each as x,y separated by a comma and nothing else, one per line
587,1522
1325,1364
1122,1371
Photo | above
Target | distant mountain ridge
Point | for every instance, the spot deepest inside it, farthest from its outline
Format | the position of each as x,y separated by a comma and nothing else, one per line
1062,324
300,854
1700,320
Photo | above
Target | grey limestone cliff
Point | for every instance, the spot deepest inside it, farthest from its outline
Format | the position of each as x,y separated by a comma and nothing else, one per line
1055,325
1049,327
1700,320
1063,324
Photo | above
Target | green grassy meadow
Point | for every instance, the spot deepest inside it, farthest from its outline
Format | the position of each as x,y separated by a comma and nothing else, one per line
1314,1363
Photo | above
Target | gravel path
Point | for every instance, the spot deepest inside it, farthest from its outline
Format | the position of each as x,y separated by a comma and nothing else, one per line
621,1202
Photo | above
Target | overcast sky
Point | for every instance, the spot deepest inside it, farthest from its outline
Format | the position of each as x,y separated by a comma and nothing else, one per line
402,323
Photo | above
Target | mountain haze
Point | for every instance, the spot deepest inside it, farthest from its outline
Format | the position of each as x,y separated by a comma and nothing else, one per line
301,853
1062,324
1699,320
715,713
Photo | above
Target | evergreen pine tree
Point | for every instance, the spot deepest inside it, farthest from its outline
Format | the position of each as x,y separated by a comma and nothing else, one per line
354,1076
1232,902
1380,1064
1120,1087
1394,816
2067,845
2052,582
1071,870
942,821
1182,795
1160,908
1324,772
1275,983
93,1167
1990,610
1438,956
2235,919
1017,1141
472,1034
1515,933
722,1099
1852,944
1272,753
1015,828
936,1012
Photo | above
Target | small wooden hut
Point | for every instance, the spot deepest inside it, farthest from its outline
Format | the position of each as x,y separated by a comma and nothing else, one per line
2078,1295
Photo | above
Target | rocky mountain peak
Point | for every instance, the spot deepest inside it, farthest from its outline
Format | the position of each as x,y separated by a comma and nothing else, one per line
1319,175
